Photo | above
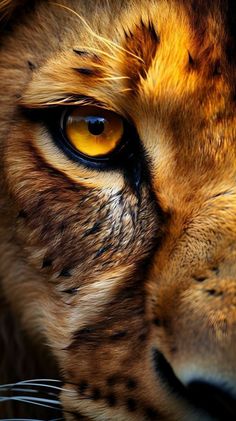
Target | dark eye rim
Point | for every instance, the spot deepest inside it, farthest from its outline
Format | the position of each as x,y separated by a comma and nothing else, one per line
118,149
122,152
121,158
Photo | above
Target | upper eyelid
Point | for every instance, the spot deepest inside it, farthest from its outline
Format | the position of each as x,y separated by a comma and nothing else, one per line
70,101
42,113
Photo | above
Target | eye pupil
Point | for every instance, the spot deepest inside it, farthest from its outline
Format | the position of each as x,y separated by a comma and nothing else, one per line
96,126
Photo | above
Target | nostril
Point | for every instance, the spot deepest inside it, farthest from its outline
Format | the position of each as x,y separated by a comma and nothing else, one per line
214,399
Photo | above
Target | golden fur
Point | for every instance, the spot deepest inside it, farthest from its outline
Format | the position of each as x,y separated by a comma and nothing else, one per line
124,283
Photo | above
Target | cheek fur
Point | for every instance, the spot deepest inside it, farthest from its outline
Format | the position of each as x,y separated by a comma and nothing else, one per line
73,230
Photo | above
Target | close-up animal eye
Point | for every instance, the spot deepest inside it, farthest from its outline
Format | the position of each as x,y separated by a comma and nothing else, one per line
118,210
92,131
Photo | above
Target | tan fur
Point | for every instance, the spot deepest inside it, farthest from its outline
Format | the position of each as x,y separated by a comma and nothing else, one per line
101,277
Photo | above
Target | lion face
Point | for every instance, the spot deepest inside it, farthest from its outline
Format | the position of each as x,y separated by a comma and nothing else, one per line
118,202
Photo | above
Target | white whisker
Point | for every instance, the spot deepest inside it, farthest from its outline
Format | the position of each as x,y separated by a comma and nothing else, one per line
37,391
40,380
107,42
113,78
22,382
18,389
37,404
31,398
33,401
47,386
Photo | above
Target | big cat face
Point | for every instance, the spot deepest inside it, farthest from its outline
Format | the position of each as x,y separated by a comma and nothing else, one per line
118,210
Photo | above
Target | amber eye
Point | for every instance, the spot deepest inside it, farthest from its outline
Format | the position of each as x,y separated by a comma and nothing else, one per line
94,132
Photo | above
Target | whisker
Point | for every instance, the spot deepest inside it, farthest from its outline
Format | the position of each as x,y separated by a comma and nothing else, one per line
37,391
18,389
107,42
22,382
31,398
55,419
41,380
45,386
46,403
114,78
125,90
25,419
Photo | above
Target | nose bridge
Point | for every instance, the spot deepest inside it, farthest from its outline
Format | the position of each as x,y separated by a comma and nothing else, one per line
199,245
201,228
193,282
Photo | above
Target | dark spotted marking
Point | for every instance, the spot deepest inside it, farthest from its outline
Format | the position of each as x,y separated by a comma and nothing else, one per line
200,278
214,292
71,291
112,380
83,386
81,52
173,349
85,54
62,227
103,250
95,228
85,71
31,65
65,272
46,263
192,63
217,69
216,270
143,334
142,337
96,394
190,59
131,384
85,331
88,335
157,322
131,404
152,413
111,399
22,214
118,335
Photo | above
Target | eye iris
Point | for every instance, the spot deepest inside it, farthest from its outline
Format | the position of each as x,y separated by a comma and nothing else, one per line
96,126
94,132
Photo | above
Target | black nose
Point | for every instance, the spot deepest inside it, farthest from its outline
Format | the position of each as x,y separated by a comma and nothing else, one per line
214,399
